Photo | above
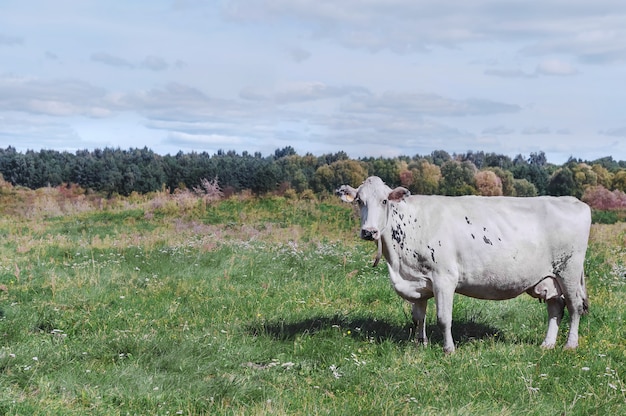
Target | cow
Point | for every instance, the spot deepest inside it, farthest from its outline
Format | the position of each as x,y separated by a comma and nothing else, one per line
483,247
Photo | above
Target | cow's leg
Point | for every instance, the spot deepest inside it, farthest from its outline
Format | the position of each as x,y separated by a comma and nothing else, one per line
575,307
575,293
419,318
444,299
555,314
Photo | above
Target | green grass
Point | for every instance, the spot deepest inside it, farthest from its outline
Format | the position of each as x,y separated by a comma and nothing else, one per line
272,307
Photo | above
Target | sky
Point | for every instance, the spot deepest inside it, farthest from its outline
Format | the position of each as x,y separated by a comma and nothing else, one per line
372,78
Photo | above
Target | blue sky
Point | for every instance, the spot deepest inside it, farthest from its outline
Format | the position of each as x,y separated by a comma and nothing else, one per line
369,77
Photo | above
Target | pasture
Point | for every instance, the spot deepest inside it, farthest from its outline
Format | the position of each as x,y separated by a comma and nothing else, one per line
164,306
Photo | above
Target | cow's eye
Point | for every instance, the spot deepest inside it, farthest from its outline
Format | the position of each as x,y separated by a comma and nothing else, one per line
384,202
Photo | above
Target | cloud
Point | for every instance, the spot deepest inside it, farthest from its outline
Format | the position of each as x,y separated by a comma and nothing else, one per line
51,56
509,73
602,41
298,54
498,130
616,132
111,60
548,67
154,63
555,67
35,132
589,31
536,130
300,92
428,104
6,40
52,97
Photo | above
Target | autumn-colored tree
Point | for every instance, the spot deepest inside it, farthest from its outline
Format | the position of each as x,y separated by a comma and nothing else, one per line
342,172
426,177
619,180
406,178
488,183
506,177
584,177
605,178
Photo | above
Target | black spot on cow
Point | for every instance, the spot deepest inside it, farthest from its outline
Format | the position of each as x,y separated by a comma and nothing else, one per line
485,229
486,240
468,221
432,253
473,237
439,243
560,263
397,234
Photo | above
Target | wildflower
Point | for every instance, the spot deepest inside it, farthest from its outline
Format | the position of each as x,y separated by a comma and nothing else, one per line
585,369
336,373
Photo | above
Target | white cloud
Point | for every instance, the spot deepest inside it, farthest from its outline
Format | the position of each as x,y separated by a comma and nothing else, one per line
498,130
301,92
63,97
536,130
427,104
555,67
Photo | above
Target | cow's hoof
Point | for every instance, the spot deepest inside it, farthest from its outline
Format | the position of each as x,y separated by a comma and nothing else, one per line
547,346
570,347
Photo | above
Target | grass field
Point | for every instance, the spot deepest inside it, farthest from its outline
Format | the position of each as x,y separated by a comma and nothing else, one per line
159,306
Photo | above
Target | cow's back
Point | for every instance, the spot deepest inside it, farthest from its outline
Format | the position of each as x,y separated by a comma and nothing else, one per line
496,247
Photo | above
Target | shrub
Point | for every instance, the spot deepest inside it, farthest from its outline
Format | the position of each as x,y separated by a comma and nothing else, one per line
600,198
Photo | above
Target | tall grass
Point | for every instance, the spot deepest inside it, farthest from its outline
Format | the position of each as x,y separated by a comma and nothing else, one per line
271,306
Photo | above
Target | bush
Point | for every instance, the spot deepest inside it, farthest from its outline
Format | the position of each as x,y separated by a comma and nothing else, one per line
600,198
604,217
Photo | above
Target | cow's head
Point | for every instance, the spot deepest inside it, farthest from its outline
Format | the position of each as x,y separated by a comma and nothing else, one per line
373,198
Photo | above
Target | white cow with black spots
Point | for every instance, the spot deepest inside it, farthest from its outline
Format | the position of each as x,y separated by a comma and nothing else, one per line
484,247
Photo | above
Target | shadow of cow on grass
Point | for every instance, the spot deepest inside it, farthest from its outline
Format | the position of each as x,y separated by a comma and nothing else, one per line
372,329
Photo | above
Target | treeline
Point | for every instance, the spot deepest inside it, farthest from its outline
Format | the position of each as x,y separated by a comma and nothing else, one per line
116,171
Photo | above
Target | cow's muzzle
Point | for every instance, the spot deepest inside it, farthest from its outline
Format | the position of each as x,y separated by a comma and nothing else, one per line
368,234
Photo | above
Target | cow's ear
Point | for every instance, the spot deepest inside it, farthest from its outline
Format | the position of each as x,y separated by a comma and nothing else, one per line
346,193
398,194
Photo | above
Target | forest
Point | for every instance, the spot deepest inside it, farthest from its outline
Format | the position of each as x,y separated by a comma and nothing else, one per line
601,182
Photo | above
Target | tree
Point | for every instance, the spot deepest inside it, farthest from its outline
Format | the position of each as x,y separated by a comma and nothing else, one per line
506,177
619,180
439,157
488,183
524,188
425,177
584,177
604,177
457,178
342,172
285,151
562,182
